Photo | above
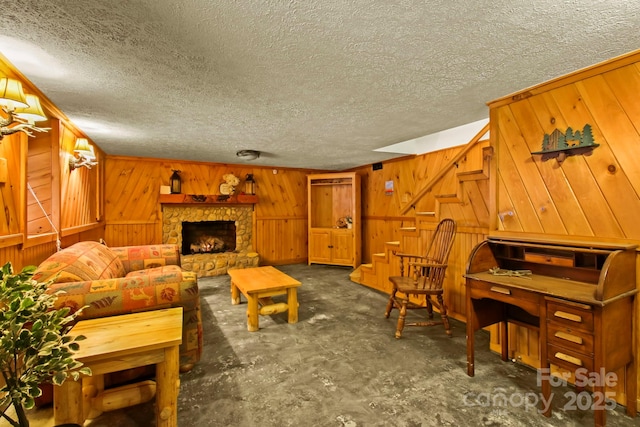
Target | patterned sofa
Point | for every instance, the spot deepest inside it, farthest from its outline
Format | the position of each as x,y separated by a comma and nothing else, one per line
121,280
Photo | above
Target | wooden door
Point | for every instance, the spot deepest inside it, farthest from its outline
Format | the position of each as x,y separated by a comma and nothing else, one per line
320,245
342,243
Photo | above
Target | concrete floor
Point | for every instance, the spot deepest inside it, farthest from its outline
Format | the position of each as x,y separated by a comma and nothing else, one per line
340,365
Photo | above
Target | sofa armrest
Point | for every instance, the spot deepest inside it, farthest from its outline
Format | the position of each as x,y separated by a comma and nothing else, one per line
147,256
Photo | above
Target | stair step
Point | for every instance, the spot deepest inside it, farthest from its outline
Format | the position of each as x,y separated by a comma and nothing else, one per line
408,228
472,175
425,213
380,254
448,198
356,274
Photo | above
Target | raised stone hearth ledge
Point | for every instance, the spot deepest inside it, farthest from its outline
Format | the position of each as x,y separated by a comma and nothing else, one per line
205,265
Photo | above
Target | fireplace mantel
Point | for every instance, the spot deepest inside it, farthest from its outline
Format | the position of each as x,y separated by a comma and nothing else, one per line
197,199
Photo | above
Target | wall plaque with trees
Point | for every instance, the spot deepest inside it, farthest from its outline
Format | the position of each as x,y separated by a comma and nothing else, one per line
558,145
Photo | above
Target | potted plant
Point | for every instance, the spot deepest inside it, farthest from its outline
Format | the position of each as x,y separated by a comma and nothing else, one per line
34,345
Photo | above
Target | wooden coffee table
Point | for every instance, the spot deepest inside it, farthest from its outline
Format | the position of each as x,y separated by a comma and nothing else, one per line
122,342
258,285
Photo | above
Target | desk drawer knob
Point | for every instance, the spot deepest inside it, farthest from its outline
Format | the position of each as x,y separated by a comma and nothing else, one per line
568,316
568,337
500,290
570,359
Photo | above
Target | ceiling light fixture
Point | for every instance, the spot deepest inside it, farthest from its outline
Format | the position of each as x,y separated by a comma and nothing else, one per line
248,154
84,155
20,109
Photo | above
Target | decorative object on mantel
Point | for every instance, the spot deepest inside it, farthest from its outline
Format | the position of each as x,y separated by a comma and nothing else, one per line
175,182
559,145
248,154
20,109
249,184
199,198
228,187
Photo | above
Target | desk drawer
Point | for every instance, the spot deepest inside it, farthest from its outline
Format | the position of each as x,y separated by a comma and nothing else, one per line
570,338
568,359
529,301
571,315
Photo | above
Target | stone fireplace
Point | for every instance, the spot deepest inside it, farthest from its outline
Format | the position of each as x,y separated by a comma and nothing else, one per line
200,224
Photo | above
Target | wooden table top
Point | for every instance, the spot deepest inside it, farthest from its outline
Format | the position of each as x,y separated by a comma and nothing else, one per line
128,333
257,279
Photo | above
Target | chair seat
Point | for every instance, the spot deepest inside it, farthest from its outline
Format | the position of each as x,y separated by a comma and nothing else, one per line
408,285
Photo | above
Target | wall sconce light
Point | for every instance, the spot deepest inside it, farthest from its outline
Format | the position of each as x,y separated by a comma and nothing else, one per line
20,109
83,155
249,184
175,182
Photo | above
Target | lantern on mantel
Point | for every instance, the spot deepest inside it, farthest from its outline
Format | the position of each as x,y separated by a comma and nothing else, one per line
175,182
249,184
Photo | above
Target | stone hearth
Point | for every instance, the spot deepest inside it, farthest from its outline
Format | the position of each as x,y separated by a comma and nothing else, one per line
214,264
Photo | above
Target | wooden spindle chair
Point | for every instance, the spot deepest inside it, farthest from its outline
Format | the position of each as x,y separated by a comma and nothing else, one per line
423,275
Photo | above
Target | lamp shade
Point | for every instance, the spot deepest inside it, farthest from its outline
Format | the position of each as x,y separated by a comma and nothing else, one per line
11,94
33,112
83,148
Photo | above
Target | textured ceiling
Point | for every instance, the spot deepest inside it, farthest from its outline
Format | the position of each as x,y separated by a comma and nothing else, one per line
312,84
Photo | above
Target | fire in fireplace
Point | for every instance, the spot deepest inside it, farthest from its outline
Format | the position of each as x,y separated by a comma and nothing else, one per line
208,237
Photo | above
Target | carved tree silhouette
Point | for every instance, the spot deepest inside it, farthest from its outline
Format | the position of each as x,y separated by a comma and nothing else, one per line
587,135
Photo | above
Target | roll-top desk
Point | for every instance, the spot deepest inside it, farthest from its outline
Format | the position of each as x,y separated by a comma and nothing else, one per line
578,295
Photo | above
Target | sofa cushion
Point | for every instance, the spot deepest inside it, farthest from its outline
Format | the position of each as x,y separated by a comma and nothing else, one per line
164,273
81,262
135,258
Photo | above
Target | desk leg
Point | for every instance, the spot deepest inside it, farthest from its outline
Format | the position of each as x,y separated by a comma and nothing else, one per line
252,313
504,339
470,336
292,302
599,414
544,373
631,388
167,388
235,294
67,403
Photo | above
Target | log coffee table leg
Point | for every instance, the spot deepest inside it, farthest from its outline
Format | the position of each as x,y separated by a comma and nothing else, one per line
292,302
67,403
252,313
167,388
235,294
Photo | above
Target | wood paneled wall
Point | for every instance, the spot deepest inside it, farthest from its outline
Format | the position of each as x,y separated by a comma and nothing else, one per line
586,196
133,211
71,199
